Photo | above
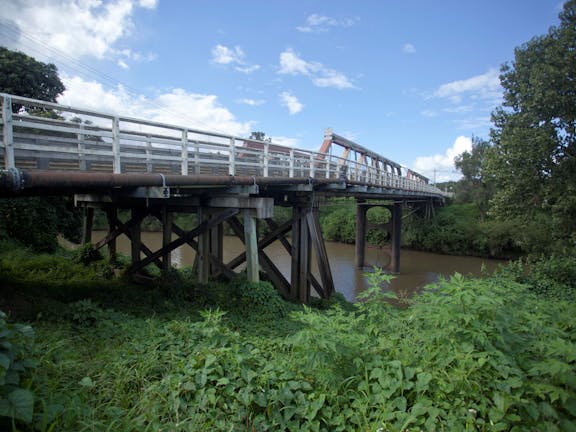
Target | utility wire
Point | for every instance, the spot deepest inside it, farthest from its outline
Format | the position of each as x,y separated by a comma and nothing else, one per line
36,45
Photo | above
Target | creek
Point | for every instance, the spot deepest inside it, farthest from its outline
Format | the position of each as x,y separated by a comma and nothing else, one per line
416,268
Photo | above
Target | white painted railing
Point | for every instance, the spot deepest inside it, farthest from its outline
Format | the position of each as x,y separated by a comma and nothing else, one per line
48,136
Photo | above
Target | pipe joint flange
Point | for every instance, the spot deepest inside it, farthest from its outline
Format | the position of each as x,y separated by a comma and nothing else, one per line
16,183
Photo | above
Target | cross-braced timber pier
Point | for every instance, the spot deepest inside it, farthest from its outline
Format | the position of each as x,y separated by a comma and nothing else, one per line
155,169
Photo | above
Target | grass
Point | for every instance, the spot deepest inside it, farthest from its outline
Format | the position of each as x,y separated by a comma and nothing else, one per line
468,354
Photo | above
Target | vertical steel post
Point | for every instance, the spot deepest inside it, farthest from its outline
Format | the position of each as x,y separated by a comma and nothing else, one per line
8,133
148,154
196,157
312,165
232,157
184,167
82,166
266,157
116,145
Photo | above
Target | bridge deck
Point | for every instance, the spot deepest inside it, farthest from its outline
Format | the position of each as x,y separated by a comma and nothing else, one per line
40,137
157,169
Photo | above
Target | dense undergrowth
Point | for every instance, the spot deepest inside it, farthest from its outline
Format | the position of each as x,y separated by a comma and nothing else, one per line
458,229
467,354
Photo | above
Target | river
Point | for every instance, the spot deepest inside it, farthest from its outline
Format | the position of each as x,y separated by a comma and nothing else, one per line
416,268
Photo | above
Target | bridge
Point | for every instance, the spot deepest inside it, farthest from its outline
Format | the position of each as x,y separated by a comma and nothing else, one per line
113,162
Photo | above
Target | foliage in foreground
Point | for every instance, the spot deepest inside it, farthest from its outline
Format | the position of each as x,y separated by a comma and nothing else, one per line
466,355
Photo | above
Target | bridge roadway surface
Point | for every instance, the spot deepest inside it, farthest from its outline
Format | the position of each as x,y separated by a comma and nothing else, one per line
156,169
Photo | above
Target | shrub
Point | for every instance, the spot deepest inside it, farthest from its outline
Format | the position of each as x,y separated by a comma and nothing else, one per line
339,224
16,363
36,221
553,277
257,299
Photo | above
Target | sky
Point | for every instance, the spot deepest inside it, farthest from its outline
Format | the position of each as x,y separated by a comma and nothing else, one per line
410,80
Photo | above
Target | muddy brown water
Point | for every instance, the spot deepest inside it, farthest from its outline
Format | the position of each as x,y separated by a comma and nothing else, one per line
416,268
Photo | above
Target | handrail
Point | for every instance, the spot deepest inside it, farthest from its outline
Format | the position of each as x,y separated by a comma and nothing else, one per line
104,142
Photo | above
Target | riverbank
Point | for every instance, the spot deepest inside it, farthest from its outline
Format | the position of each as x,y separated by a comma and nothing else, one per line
113,356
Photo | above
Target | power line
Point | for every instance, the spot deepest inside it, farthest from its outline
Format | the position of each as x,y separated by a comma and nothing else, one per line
35,45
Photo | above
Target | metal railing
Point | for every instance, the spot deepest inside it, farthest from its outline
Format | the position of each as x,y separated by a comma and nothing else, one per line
48,136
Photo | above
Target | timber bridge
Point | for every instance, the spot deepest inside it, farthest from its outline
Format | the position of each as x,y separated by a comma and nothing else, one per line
153,169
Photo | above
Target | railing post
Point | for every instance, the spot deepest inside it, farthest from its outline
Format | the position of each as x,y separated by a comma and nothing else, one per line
196,157
8,133
116,145
81,149
148,154
232,157
184,168
312,165
266,155
291,172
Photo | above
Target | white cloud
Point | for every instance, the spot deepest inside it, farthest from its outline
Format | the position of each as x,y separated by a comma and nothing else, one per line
321,76
429,113
49,29
332,78
196,111
223,55
291,102
252,102
291,64
441,166
408,48
248,69
285,141
320,23
148,4
485,86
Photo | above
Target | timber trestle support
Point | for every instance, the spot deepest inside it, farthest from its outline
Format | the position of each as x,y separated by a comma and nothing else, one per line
300,236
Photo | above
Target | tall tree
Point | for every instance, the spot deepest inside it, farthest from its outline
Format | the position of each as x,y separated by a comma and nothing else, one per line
474,187
22,75
533,161
34,221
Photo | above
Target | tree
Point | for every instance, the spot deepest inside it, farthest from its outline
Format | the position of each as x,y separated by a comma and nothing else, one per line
22,75
34,221
474,187
533,161
259,136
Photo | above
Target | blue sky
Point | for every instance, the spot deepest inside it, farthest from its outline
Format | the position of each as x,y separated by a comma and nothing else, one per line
411,80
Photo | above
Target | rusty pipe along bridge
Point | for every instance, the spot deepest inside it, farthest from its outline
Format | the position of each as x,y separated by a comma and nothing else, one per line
155,169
